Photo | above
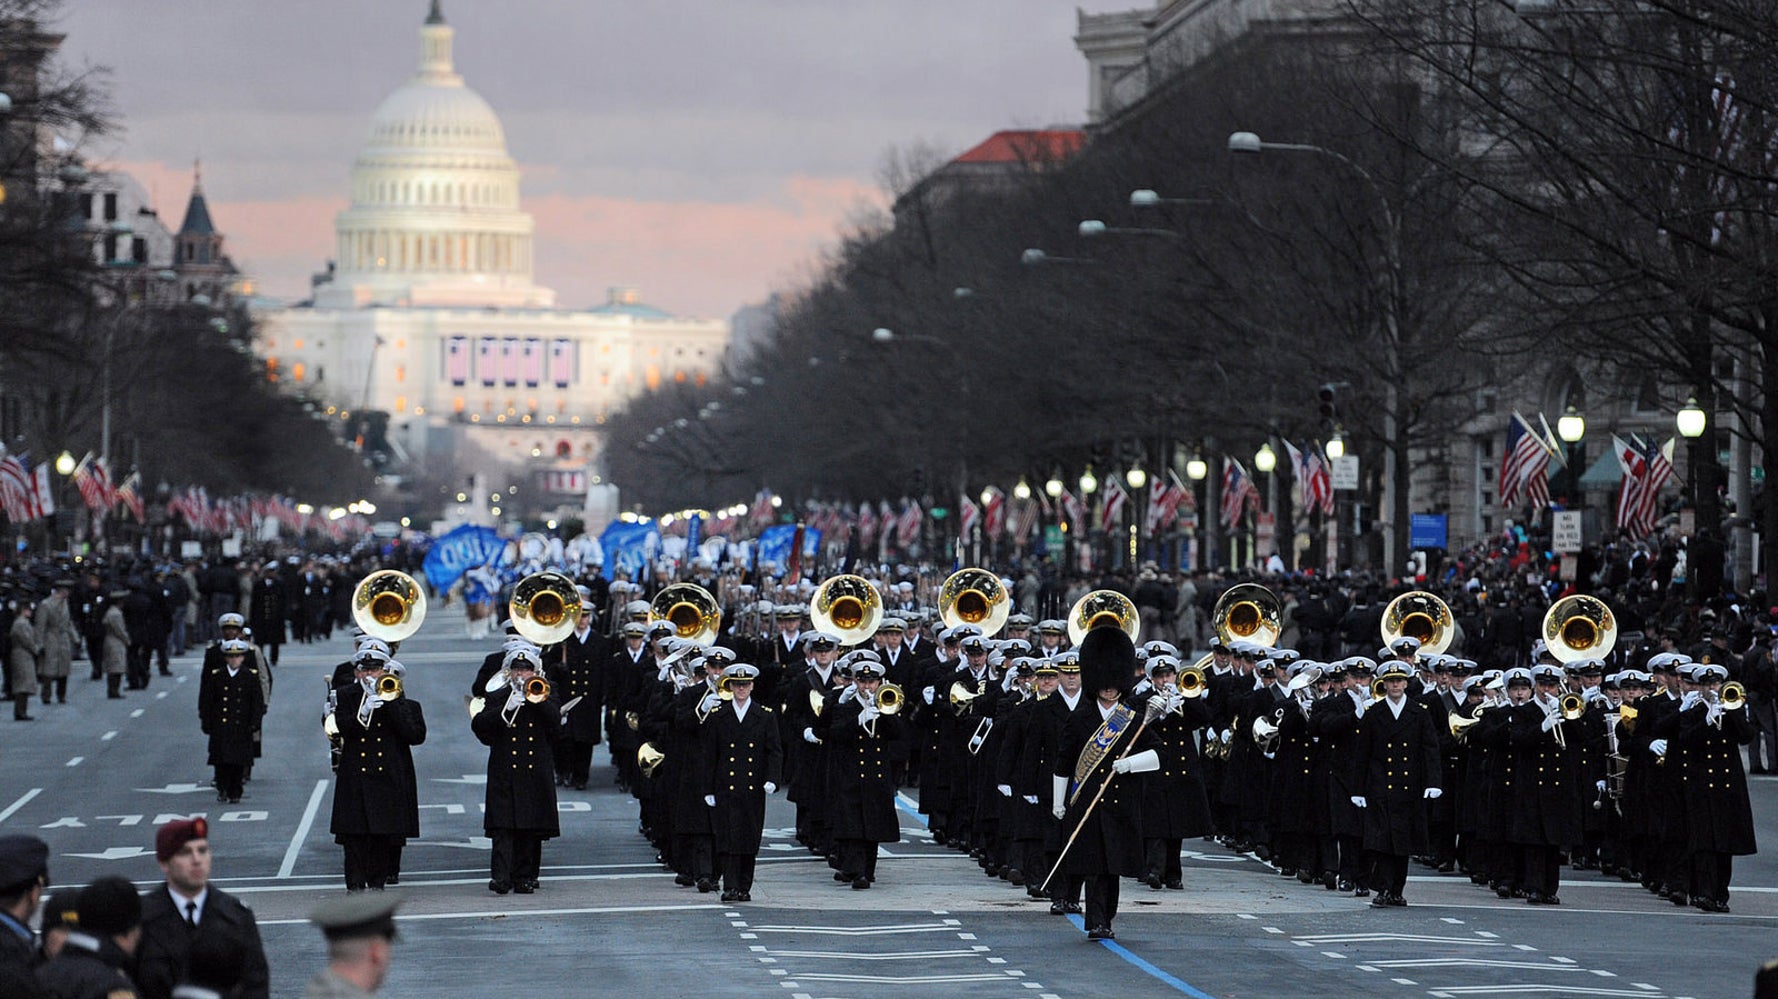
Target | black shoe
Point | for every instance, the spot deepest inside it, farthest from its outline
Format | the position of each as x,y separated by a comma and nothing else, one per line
1035,894
579,785
1447,867
860,883
730,895
1101,933
1398,901
1177,884
1543,898
500,887
1152,880
1287,872
352,889
221,797
1305,877
234,799
743,896
1058,909
1013,876
706,886
1381,901
524,888
1071,908
1343,885
23,718
1361,893
683,880
393,879
1329,880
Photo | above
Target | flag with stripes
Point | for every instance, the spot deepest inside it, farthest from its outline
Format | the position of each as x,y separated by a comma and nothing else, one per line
968,515
15,488
43,497
129,493
532,358
1075,510
1646,469
487,361
1524,471
867,525
762,512
1023,519
907,529
1237,492
561,362
993,511
1116,498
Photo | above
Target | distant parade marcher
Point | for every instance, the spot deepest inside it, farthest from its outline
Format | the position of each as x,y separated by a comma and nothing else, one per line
743,764
580,670
22,662
188,899
230,705
519,724
360,933
375,800
55,639
270,611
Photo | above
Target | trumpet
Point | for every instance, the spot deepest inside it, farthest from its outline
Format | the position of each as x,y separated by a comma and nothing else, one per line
1733,696
1191,682
537,690
388,687
1572,706
890,699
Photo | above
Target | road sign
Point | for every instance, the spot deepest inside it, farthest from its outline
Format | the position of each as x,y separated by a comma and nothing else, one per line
1565,531
1265,538
1052,537
1427,530
1345,472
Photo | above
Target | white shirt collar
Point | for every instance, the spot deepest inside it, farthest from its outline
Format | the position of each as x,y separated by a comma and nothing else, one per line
1072,702
741,709
180,901
1396,707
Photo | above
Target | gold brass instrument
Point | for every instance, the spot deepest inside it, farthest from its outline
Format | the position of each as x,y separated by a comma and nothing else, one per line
1460,725
890,699
388,604
648,758
1419,615
725,689
690,609
1626,716
1265,730
388,687
1103,609
1572,706
817,702
544,607
962,698
974,596
632,721
1378,690
1191,682
1249,611
537,690
847,607
1579,627
1733,696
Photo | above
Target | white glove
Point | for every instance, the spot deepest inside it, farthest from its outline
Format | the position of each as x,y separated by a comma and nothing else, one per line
1270,756
1599,786
1689,700
1004,789
1058,811
710,799
1144,762
1358,800
709,703
515,698
1030,799
809,736
1225,735
1434,792
1658,747
1713,714
771,788
868,715
1058,796
1550,721
927,694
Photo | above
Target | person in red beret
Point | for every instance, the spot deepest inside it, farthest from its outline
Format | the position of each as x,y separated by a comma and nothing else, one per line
188,906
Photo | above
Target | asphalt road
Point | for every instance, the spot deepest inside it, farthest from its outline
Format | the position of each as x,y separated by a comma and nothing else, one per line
95,777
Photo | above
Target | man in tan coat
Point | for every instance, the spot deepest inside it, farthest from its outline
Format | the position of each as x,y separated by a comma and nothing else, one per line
22,662
55,641
116,655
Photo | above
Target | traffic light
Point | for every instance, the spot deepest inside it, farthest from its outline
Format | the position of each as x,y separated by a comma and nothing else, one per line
1330,413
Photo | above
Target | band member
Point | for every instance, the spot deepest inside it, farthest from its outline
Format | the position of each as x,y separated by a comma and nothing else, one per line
519,729
1173,804
580,670
744,762
623,676
1100,807
376,804
230,703
1394,764
804,755
1546,809
865,737
1719,818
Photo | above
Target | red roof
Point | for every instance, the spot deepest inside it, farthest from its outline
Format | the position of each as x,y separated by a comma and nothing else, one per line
1026,145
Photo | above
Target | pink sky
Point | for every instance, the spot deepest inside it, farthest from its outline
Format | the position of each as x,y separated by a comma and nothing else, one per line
705,153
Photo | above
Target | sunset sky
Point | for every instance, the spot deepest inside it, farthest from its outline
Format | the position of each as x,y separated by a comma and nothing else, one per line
703,151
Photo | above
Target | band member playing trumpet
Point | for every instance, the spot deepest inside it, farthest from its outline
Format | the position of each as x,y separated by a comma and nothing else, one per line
520,724
865,736
1174,807
1719,818
1546,807
375,803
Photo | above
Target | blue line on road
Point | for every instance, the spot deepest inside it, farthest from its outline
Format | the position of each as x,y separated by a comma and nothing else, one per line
1148,969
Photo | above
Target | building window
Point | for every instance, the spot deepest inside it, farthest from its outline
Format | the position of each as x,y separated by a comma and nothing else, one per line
86,206
111,206
401,404
401,372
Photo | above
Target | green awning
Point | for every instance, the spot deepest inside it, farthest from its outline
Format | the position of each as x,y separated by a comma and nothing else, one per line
1605,473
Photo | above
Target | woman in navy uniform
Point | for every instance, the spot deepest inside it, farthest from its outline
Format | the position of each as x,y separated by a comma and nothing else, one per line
1394,765
230,703
520,731
744,764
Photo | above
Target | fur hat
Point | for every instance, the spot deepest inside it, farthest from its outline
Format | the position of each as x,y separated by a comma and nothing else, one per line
1107,659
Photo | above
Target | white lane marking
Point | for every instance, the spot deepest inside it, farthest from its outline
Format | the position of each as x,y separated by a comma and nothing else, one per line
1470,962
137,713
23,800
1523,947
1485,933
899,955
1336,955
517,913
863,931
302,829
1271,929
76,761
1563,960
1404,981
1452,921
1351,938
161,696
1243,915
108,736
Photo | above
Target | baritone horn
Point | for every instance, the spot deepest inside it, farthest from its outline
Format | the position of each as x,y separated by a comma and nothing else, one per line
890,699
388,604
1460,725
848,607
1103,609
690,609
544,607
1419,615
1579,627
648,758
974,596
1250,611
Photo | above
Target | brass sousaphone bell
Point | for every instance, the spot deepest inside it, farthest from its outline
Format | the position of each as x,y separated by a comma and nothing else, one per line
389,604
1103,609
1419,615
1579,627
544,607
847,607
975,596
690,609
1250,611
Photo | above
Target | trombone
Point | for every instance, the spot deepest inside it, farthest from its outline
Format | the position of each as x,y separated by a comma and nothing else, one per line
388,604
1419,615
1103,609
690,609
544,607
974,596
848,607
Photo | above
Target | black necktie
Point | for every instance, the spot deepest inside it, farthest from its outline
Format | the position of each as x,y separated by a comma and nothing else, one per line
191,914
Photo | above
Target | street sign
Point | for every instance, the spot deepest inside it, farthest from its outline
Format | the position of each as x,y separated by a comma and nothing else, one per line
1265,538
1427,530
1345,472
939,513
1052,537
1565,531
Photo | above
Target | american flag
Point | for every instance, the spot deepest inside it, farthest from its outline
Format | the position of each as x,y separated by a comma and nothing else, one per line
129,493
533,362
907,530
993,511
94,482
487,361
15,488
1075,510
867,525
762,513
1023,519
1237,492
1314,484
509,361
1524,471
1646,469
1112,512
968,516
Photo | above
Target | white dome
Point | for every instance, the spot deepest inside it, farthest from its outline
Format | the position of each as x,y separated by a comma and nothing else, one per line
428,115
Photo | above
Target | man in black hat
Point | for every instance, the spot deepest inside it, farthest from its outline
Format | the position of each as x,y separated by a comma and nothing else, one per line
1394,768
24,873
91,965
1104,740
360,932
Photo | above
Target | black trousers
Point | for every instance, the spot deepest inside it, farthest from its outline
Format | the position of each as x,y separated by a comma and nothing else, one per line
1352,865
737,871
1389,871
21,706
517,855
137,658
857,856
1163,858
1710,874
369,860
1542,867
1101,899
229,778
579,759
59,685
695,855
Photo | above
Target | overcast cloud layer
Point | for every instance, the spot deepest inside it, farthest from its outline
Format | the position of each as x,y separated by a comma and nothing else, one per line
703,151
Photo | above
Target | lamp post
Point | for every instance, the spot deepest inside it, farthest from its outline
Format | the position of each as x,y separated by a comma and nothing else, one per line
1196,471
1692,421
1571,428
1395,484
1137,479
1265,460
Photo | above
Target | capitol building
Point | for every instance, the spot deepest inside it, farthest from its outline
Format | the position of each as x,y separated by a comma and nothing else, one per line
430,310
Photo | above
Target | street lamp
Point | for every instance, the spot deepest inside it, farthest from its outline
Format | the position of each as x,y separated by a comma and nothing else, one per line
1136,477
1196,469
1053,488
1692,420
1571,428
1088,482
65,463
1022,490
1265,459
1335,447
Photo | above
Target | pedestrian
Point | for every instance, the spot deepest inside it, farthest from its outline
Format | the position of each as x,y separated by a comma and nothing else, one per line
55,641
24,873
22,661
114,654
188,907
92,964
270,609
360,932
230,703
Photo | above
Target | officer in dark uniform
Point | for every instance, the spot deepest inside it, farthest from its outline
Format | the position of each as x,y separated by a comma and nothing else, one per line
1173,804
1719,823
804,754
864,741
92,962
578,664
230,704
743,764
1394,768
519,727
1546,813
376,804
24,873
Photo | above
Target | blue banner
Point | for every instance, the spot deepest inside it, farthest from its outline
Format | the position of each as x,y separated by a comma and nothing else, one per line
775,542
694,534
1427,530
631,547
461,550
